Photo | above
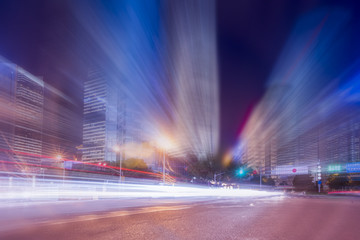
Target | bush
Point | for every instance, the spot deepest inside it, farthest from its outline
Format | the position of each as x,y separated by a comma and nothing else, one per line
336,181
135,163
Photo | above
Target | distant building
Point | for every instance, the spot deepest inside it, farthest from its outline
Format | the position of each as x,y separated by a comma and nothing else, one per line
295,139
36,120
60,134
112,125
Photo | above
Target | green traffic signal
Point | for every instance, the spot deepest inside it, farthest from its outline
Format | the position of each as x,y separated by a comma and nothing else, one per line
241,171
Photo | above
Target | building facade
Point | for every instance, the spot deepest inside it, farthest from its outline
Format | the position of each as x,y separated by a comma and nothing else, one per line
21,115
60,123
101,117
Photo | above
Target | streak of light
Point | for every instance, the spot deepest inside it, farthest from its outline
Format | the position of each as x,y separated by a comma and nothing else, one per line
162,55
296,119
87,171
54,190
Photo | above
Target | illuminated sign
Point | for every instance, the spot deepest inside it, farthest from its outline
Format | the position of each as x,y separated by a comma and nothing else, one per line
334,168
353,167
291,170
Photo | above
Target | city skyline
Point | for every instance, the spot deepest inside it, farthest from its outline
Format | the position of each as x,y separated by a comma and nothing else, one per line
179,119
63,59
171,82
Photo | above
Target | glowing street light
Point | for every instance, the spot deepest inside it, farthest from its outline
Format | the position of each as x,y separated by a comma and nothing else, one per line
165,144
116,148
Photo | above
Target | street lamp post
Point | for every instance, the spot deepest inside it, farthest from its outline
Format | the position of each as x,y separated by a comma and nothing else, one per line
164,144
117,151
260,177
164,166
319,176
59,157
120,170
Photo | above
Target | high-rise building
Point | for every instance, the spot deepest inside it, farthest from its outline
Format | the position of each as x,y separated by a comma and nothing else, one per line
109,121
7,103
112,126
21,115
104,120
29,102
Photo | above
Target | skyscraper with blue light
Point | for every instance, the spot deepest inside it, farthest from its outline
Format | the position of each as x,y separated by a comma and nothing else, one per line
103,121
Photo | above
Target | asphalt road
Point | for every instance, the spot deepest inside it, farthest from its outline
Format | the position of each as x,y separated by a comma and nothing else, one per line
261,218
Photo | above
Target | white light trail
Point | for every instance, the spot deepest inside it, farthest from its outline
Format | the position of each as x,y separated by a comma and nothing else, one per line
72,190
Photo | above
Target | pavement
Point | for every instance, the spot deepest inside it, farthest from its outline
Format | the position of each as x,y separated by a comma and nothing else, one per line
345,193
267,217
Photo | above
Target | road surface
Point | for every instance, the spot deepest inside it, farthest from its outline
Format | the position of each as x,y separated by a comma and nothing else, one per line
223,218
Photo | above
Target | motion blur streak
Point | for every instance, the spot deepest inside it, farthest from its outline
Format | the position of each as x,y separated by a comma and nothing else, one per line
20,164
53,190
195,76
163,55
310,103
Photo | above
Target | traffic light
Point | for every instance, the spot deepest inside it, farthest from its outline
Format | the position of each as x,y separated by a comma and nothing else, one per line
241,172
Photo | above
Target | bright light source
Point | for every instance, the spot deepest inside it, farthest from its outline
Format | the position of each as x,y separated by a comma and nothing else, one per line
84,189
58,157
165,143
116,148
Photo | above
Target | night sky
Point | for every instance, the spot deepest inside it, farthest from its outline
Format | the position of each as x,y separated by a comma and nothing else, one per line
251,35
43,37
